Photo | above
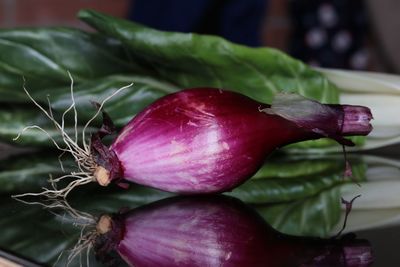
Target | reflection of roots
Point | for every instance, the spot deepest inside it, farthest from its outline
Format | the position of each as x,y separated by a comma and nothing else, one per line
85,243
87,236
82,154
83,220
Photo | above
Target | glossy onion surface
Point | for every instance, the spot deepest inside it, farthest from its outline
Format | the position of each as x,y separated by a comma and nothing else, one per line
200,141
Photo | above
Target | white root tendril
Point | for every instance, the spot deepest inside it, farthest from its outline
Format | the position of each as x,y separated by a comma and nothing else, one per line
81,154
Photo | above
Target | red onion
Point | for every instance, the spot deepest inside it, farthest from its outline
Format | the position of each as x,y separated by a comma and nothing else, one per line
215,231
207,140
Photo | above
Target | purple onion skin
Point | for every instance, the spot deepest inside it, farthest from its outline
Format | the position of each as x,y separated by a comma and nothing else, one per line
218,231
201,141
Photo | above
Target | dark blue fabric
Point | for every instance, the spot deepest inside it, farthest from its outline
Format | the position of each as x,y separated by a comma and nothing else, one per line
237,20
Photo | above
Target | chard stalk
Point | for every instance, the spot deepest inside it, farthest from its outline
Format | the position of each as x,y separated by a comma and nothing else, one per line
378,91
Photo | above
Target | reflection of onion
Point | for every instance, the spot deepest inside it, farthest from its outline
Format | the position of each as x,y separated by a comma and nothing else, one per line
215,231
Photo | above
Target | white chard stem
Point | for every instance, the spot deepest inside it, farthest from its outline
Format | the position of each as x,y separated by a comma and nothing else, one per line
378,91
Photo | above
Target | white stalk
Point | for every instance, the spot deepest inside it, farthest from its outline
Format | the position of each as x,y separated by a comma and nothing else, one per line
378,91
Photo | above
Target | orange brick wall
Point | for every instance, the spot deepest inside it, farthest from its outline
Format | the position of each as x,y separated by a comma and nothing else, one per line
277,25
18,13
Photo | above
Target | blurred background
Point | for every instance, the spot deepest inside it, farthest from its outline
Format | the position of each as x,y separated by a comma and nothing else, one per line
357,34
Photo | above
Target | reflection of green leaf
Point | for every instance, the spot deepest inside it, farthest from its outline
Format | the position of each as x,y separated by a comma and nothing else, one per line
32,232
314,216
22,174
37,234
44,55
191,60
109,200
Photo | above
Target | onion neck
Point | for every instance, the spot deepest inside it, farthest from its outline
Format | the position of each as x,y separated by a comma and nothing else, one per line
322,120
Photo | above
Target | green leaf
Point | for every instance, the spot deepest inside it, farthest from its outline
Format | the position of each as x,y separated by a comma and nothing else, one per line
314,216
272,190
30,172
289,166
122,107
44,55
192,60
278,190
14,119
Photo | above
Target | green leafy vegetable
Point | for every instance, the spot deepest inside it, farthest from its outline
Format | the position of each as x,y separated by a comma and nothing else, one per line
289,166
31,171
122,107
14,120
301,184
44,55
192,60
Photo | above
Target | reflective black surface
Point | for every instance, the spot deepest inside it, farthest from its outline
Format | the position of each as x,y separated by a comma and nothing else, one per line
39,235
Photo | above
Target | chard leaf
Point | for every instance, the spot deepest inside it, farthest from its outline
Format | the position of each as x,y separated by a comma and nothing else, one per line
193,60
278,190
272,190
122,107
31,172
14,120
289,166
44,55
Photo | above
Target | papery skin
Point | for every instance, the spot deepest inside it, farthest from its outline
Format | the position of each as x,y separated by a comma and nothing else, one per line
201,140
